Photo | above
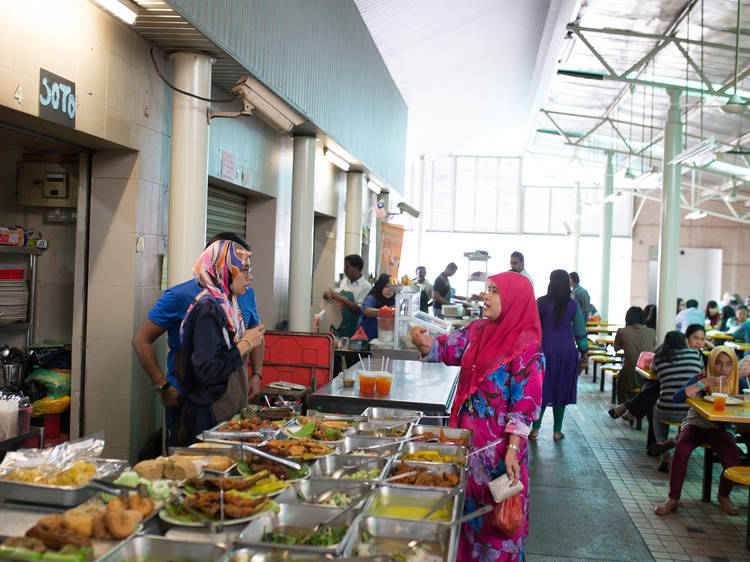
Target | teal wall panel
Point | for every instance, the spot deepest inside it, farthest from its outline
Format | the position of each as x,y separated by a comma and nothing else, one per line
320,58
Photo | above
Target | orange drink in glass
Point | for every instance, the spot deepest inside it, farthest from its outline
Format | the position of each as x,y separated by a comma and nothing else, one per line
720,401
383,382
367,382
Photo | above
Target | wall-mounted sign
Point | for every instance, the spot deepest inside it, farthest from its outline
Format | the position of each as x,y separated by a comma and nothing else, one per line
57,99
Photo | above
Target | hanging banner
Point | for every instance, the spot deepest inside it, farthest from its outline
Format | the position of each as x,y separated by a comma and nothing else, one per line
390,255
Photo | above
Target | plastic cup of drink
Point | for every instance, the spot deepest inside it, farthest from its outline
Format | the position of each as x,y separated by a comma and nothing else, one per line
720,401
746,393
348,378
367,382
383,382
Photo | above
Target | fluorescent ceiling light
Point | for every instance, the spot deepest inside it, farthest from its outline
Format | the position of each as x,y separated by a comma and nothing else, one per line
696,153
695,215
123,9
374,186
335,159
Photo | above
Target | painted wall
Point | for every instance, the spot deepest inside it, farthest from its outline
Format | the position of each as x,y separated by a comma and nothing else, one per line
318,56
710,232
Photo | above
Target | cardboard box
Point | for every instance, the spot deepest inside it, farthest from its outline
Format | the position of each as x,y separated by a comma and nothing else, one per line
11,236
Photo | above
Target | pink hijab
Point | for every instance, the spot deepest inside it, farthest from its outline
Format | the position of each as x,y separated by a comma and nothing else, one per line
494,343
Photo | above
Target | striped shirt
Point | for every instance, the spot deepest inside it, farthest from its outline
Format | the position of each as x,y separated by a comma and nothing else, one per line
673,375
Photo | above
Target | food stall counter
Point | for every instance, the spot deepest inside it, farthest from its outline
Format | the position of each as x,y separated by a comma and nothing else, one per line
429,387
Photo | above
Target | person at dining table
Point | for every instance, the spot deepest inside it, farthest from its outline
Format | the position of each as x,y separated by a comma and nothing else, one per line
674,363
214,339
722,374
634,338
690,315
498,396
642,404
740,317
713,316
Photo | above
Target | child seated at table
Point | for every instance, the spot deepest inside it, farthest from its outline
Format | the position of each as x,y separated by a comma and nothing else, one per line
722,373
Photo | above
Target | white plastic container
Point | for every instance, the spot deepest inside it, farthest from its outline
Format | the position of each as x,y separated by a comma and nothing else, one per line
8,419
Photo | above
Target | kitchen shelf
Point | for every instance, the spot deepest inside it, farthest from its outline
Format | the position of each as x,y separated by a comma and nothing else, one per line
26,250
32,252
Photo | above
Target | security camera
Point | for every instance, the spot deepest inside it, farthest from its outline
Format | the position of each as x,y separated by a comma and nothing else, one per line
409,210
257,98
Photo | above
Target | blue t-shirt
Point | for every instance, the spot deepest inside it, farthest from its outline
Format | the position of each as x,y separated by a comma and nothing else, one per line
369,325
170,309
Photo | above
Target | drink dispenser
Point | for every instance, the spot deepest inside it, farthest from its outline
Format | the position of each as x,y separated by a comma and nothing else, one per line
407,304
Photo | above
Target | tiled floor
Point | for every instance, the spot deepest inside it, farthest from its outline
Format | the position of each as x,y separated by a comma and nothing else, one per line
696,531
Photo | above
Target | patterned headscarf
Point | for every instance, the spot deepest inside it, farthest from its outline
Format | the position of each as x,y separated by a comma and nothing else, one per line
732,385
215,270
494,343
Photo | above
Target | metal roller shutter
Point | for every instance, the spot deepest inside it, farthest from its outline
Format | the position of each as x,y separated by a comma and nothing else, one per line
226,211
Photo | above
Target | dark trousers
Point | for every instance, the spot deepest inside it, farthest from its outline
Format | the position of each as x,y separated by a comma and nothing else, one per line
642,404
691,436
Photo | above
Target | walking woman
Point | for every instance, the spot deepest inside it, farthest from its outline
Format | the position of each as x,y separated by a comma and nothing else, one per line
215,342
722,372
563,328
498,395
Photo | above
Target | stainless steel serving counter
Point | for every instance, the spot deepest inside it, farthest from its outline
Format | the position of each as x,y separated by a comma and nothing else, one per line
428,387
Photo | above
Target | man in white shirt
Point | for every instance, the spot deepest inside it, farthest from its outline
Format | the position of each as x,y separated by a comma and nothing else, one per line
691,315
351,293
517,265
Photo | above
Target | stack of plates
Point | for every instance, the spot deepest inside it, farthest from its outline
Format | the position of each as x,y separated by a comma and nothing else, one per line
14,296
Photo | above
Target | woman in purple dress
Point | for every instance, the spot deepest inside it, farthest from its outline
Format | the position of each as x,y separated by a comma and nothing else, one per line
497,397
563,337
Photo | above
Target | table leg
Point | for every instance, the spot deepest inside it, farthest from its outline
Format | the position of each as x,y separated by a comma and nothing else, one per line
707,474
747,526
595,364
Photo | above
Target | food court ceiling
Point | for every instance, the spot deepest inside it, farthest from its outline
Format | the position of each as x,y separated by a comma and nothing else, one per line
577,78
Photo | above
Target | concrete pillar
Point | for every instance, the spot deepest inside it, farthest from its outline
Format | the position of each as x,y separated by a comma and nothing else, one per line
577,226
606,235
301,244
353,238
188,173
669,225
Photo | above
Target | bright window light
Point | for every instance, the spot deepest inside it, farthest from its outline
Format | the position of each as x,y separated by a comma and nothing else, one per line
695,215
122,9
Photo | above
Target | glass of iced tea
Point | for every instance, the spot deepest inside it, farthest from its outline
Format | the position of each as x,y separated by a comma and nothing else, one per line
367,382
383,382
720,401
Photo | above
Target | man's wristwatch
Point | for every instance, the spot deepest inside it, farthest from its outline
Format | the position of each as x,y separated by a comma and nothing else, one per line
700,385
162,390
257,375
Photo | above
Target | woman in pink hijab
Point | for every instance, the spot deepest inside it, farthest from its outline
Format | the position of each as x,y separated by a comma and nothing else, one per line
498,397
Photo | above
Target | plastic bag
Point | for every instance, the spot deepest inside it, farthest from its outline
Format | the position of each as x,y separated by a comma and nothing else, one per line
644,360
51,405
56,381
508,515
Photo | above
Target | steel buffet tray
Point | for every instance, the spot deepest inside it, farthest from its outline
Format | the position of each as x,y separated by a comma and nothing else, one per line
445,450
392,414
405,530
161,549
66,496
296,515
391,445
327,465
311,488
465,435
411,497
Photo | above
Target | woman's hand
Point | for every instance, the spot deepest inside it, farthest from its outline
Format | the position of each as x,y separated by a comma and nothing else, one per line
421,339
714,381
583,362
512,468
254,336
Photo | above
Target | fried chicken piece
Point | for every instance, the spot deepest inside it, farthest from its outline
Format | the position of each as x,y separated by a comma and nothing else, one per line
100,527
80,524
57,538
53,521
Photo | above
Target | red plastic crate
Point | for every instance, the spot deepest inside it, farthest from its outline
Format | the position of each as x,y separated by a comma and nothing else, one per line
300,357
14,274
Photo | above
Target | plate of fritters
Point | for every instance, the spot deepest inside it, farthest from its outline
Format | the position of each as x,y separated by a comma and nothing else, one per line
304,449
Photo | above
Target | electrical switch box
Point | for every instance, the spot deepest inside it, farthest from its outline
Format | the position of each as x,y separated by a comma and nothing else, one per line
47,184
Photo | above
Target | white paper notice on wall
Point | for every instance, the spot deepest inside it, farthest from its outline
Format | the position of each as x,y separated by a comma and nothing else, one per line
227,166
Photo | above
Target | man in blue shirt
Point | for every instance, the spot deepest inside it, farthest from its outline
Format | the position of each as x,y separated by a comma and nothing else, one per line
691,315
166,316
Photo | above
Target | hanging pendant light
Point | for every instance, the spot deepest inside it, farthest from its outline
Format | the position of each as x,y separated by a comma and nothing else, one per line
736,105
